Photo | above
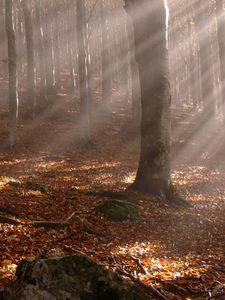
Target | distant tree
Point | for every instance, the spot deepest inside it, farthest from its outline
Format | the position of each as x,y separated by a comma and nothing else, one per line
150,32
84,105
135,84
31,105
105,60
220,18
12,65
201,8
42,100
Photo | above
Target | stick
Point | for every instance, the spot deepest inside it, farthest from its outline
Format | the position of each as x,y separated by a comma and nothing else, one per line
138,263
149,288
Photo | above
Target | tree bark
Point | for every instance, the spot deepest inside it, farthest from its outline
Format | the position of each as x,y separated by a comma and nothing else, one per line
135,83
150,31
12,65
31,101
105,64
201,9
220,19
84,105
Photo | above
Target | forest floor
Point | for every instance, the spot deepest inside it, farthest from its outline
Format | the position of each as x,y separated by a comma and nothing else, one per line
181,249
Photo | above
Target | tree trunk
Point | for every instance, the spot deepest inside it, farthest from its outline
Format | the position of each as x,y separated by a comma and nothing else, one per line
31,101
106,66
84,105
150,31
135,83
42,100
208,103
220,19
13,81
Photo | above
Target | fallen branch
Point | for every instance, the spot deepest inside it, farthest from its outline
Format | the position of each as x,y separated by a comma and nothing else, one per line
148,288
50,225
138,263
9,220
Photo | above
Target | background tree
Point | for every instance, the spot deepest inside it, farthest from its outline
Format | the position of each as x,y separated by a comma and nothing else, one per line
84,103
220,18
30,103
13,83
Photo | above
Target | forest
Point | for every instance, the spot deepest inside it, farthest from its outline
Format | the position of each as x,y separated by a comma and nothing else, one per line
112,141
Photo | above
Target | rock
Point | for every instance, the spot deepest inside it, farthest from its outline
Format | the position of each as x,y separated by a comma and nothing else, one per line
37,187
69,278
118,210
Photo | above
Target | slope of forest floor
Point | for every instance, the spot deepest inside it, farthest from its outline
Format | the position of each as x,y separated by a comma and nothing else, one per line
180,251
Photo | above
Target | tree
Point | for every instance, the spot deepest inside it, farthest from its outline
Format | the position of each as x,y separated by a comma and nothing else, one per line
13,82
150,33
105,61
84,105
202,20
31,105
220,18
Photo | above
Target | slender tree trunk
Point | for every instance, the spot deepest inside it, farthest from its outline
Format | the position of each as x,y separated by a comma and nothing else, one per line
71,45
220,19
106,66
42,100
56,43
49,63
31,101
135,83
150,30
84,105
13,82
201,7
3,48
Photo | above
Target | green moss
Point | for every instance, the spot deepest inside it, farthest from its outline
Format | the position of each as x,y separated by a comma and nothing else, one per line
118,210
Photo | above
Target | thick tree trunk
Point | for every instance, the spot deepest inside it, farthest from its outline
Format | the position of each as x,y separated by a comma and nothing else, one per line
31,101
13,81
150,31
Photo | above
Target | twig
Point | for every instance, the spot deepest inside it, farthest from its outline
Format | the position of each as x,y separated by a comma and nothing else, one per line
148,288
69,236
73,214
138,263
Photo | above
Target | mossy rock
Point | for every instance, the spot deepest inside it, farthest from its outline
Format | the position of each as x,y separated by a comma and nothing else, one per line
34,186
118,210
69,277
